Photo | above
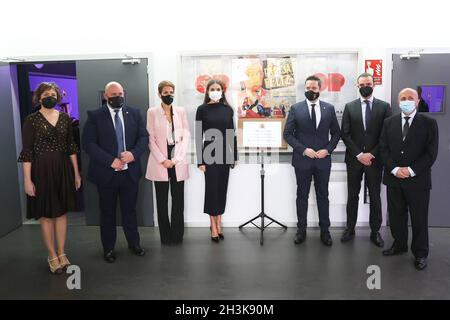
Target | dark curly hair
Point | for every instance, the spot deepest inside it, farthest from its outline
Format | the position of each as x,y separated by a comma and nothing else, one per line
45,86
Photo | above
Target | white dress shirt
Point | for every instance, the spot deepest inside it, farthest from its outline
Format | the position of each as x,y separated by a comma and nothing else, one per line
113,114
169,133
316,108
411,118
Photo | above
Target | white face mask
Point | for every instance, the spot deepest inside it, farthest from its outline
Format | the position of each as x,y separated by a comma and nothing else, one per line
407,106
215,95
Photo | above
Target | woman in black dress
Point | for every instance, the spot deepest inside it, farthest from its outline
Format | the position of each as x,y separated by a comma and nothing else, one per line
51,175
216,151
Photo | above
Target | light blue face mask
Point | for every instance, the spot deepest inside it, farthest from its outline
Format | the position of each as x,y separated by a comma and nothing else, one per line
407,106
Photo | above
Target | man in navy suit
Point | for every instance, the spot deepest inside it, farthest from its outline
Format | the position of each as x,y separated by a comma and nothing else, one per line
307,131
115,137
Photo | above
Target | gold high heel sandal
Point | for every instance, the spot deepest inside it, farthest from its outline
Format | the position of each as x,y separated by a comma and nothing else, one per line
64,261
55,266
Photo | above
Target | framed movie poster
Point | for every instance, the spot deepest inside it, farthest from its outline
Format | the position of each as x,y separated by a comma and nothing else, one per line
263,86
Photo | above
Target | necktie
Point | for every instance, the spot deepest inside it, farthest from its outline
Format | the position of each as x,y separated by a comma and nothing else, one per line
119,133
368,114
313,116
405,128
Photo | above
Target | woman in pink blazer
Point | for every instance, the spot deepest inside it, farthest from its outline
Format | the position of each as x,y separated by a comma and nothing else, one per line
167,164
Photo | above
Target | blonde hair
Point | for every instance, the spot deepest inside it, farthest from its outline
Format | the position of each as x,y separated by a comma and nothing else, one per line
163,84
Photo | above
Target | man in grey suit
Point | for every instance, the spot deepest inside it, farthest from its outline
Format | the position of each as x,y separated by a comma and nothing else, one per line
361,129
307,131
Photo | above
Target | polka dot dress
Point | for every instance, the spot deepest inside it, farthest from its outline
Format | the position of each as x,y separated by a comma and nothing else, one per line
48,149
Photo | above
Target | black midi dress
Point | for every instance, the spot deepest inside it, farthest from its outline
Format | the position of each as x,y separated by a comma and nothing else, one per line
48,148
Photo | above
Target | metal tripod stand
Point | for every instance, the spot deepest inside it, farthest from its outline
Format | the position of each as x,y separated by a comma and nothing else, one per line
262,215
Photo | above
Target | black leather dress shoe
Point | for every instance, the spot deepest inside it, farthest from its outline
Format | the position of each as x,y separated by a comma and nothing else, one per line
137,250
376,239
392,251
325,237
420,263
110,256
300,237
348,235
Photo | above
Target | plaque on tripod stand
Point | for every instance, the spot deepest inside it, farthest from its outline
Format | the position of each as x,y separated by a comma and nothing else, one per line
262,135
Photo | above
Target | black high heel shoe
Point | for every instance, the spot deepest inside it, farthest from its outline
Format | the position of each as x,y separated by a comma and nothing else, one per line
215,239
221,237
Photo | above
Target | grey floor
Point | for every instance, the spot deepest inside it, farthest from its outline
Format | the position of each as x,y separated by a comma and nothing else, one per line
237,268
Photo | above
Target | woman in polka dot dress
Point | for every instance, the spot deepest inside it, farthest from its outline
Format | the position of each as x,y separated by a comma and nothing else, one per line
51,175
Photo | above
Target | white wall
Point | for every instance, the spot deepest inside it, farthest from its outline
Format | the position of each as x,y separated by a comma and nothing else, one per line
104,26
167,28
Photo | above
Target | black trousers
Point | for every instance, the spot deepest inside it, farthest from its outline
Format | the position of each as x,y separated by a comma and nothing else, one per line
121,187
373,176
170,231
321,180
400,201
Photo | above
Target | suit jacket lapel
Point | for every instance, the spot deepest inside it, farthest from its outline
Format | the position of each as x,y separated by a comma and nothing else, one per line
176,123
398,134
323,115
375,109
358,113
108,119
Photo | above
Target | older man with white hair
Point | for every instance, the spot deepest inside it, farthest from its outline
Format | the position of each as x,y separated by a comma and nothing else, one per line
115,137
408,148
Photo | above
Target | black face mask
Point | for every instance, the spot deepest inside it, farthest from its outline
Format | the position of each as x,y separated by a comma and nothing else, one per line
167,99
311,95
116,102
49,102
366,91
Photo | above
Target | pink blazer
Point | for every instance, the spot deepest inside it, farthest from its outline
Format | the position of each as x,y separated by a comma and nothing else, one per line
156,127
